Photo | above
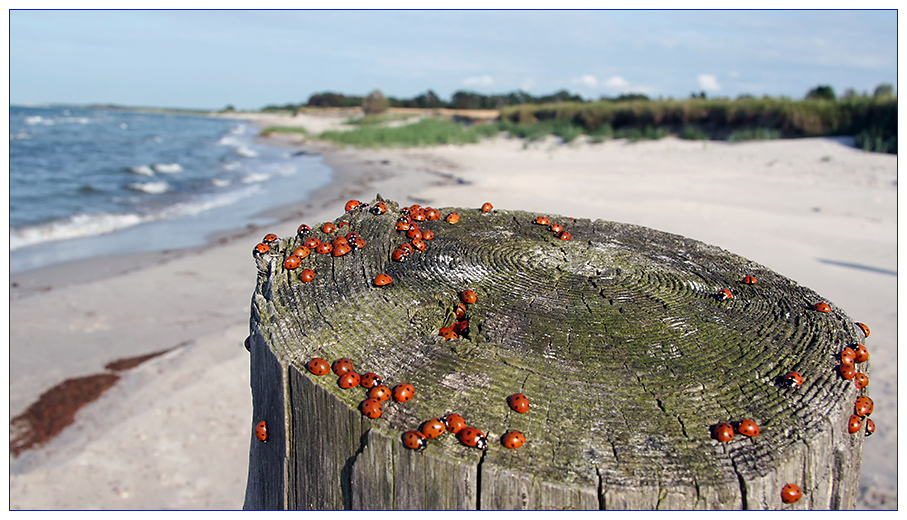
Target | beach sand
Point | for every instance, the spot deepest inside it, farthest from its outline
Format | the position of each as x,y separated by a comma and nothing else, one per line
173,432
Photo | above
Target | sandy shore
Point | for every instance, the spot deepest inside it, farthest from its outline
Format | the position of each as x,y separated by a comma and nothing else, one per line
173,432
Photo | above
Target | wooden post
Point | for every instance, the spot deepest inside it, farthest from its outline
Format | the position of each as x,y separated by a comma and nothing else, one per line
617,337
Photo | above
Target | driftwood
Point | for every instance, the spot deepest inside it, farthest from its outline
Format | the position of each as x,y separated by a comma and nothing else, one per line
617,337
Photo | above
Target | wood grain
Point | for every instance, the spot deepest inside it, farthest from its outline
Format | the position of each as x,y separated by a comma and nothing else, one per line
616,337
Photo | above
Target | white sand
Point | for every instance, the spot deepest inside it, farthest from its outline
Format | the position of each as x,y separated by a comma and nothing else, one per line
174,432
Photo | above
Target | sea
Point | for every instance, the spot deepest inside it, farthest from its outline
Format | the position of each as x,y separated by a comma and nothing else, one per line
87,182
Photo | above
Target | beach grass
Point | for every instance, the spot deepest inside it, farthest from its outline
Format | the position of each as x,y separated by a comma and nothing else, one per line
872,120
426,132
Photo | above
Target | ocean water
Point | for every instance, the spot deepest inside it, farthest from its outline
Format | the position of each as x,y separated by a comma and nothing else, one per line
86,182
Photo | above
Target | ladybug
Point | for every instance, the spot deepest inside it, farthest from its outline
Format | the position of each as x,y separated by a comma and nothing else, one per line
518,403
418,215
861,354
513,439
261,249
248,343
402,225
432,214
542,221
433,428
379,208
791,493
270,238
407,248
455,422
319,367
428,235
556,228
370,408
854,424
342,224
370,380
383,279
349,380
338,240
749,280
448,334
864,328
303,230
748,427
863,406
261,431
324,248
460,326
487,207
380,393
312,243
341,249
469,296
352,235
870,427
292,262
399,255
302,251
460,310
860,380
414,233
358,243
414,440
453,218
822,307
307,275
848,356
846,371
419,244
403,392
342,366
564,235
351,205
793,379
723,432
473,437
328,227
724,294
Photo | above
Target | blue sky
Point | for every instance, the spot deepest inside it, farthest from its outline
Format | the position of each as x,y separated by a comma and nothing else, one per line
250,59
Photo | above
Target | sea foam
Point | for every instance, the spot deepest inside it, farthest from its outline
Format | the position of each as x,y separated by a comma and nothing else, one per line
167,168
153,188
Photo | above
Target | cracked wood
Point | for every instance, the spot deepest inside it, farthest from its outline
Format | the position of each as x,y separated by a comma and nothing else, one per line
616,337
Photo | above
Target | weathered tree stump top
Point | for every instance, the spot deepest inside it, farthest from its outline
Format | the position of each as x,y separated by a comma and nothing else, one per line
617,336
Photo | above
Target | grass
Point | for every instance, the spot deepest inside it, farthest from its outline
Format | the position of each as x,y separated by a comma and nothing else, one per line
873,121
754,134
427,132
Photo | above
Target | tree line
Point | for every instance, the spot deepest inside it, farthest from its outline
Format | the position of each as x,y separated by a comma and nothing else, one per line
464,99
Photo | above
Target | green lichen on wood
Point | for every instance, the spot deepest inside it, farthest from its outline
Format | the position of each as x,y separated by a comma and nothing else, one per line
616,336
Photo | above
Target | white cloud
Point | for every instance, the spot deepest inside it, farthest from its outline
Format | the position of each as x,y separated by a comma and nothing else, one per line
708,82
586,80
479,81
617,83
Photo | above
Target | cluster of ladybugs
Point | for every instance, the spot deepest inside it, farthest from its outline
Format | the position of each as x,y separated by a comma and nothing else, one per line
377,391
557,229
724,432
461,324
467,435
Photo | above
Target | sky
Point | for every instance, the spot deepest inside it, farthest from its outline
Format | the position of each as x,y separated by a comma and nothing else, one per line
209,59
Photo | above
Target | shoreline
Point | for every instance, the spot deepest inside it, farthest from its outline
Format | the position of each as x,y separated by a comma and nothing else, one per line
194,301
